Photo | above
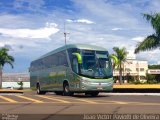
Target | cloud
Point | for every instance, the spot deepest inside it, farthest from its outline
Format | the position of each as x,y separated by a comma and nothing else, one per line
85,21
115,29
152,56
131,54
138,39
45,32
8,47
158,62
30,5
32,35
80,21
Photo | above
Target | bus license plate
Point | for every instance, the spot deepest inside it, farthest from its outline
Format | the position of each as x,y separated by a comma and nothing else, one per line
99,88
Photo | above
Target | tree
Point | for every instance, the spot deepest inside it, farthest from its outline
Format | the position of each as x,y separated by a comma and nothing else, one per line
121,55
151,41
114,63
21,85
115,60
154,66
5,58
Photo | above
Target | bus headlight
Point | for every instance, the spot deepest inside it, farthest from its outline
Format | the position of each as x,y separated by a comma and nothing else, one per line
86,82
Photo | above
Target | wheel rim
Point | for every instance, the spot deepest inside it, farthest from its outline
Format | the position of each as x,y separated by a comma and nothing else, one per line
66,88
38,89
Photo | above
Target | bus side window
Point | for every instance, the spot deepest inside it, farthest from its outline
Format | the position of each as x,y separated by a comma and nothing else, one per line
63,59
75,65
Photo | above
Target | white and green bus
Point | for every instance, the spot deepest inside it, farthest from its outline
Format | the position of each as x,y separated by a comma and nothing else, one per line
74,68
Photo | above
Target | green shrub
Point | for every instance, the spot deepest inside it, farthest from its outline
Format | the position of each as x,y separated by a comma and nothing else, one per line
130,79
21,85
152,82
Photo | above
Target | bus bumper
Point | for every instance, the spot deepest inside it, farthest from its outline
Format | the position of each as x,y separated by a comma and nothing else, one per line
97,85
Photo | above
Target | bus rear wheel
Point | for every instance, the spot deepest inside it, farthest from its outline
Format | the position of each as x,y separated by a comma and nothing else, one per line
66,91
39,92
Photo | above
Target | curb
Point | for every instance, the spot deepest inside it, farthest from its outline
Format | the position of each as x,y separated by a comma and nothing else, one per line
131,86
136,90
10,91
133,94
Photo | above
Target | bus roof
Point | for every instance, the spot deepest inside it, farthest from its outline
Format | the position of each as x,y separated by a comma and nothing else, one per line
79,46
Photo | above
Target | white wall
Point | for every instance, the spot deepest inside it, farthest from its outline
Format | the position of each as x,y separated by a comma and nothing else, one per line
15,85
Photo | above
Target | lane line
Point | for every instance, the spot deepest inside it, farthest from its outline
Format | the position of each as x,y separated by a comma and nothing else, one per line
59,99
118,102
87,101
8,99
30,102
129,103
73,98
55,99
31,99
109,103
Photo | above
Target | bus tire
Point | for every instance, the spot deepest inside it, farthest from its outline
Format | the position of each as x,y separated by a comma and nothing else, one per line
39,92
94,94
66,91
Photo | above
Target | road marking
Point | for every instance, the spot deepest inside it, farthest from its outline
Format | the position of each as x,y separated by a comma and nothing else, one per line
31,99
73,98
119,102
123,102
8,99
87,101
33,103
84,102
51,98
58,100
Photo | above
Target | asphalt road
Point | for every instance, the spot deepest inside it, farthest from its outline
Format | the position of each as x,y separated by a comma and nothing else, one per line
45,106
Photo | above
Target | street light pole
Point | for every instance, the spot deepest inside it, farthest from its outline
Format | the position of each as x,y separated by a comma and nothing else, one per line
65,34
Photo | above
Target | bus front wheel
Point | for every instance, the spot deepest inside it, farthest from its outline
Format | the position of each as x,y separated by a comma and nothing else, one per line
39,92
66,91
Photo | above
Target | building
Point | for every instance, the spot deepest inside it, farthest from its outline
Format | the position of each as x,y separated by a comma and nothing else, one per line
10,80
133,67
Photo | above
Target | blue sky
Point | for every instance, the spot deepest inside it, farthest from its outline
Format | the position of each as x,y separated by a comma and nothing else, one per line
31,28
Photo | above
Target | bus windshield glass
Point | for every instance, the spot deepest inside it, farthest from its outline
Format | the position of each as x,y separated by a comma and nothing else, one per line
95,64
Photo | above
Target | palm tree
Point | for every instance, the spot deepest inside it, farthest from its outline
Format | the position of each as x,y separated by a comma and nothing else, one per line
4,58
121,55
115,60
151,41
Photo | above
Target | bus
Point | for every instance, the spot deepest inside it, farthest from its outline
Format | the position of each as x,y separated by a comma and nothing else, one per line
73,68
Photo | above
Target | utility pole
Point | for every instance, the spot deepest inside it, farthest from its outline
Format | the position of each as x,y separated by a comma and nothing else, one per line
65,34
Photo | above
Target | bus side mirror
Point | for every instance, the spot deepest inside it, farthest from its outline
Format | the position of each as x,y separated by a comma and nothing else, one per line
79,57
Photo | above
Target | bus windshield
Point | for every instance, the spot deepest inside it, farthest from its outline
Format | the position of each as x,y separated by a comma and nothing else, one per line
95,64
